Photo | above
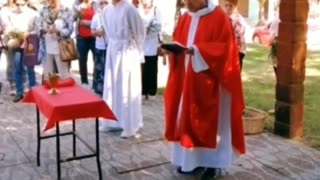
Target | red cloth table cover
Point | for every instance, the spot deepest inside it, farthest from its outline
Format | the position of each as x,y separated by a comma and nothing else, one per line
73,102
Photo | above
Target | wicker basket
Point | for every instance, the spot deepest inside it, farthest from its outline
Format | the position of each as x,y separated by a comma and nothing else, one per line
255,123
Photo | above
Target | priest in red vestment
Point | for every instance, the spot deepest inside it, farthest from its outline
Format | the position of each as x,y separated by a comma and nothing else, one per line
203,98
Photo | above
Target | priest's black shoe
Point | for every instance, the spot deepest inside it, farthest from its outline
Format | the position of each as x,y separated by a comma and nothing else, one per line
209,174
194,172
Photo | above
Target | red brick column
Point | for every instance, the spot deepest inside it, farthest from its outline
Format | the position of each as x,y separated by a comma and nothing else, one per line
289,107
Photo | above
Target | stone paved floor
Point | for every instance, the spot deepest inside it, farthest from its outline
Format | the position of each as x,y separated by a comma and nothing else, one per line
146,158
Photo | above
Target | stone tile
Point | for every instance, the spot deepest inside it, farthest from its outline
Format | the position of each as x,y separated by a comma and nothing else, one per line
161,172
264,144
88,169
22,171
27,140
269,156
152,130
137,156
10,154
291,165
48,169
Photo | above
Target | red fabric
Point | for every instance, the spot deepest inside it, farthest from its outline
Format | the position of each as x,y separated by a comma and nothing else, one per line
73,102
62,83
87,14
198,124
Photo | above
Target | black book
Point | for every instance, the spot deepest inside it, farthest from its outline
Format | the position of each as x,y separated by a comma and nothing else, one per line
174,47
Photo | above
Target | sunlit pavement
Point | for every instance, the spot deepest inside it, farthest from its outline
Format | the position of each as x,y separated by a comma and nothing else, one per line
145,158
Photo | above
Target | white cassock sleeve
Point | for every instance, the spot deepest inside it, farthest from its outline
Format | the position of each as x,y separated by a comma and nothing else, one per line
137,29
104,17
198,63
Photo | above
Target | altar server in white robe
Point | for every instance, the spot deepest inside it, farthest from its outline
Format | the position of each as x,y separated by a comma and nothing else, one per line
122,81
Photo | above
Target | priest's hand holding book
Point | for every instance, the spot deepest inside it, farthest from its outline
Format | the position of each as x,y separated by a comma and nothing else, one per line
176,48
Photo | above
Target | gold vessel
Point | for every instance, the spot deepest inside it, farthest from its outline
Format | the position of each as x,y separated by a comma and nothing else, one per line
54,81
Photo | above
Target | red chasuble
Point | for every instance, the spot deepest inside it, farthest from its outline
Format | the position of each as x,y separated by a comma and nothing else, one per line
198,122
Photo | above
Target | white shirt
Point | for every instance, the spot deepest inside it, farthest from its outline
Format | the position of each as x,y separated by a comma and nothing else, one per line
52,44
96,23
151,42
274,27
23,22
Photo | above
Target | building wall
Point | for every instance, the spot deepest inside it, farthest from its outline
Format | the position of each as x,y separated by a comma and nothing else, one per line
243,7
168,10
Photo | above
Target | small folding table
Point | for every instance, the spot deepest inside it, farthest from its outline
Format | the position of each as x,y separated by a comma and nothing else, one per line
71,104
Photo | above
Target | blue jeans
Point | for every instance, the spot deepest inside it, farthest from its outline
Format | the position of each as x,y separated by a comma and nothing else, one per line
84,44
19,70
98,74
9,68
10,72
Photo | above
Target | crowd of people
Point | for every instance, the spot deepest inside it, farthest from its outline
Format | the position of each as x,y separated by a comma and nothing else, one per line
203,98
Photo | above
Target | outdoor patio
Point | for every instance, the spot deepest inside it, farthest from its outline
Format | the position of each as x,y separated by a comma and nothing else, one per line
268,157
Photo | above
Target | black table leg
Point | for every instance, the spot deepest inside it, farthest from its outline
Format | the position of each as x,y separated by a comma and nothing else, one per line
58,151
98,149
38,137
74,138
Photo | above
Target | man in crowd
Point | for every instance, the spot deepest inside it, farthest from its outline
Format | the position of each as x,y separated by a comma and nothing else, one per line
136,3
239,26
203,97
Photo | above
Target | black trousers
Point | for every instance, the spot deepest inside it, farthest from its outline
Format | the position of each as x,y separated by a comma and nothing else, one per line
84,44
241,56
149,75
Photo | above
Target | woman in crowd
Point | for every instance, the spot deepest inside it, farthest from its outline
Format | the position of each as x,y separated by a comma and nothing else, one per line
56,21
84,13
21,23
1,50
152,20
5,9
239,26
99,32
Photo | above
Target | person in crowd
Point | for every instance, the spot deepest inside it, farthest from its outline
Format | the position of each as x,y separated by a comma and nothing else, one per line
21,23
122,78
2,27
136,3
273,55
84,13
239,26
6,7
203,97
99,32
56,21
152,20
77,6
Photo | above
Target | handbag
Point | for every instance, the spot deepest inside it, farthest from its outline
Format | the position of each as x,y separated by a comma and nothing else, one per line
68,50
31,51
